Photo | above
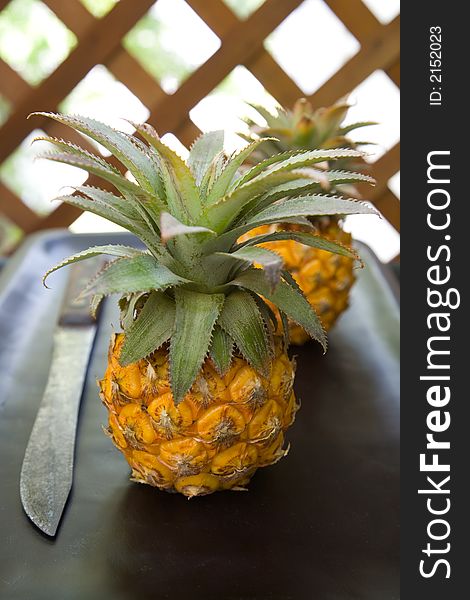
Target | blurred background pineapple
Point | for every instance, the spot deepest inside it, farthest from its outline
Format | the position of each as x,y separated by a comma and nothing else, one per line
326,280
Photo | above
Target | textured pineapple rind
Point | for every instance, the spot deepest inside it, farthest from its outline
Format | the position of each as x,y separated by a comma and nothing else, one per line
325,278
224,429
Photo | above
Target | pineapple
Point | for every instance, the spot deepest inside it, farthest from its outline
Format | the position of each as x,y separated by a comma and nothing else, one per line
199,385
326,280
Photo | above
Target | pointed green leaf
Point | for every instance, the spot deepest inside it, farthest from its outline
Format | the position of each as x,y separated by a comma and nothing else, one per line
292,210
220,214
185,243
274,184
287,299
120,251
69,148
196,315
98,168
273,146
295,187
171,227
107,211
225,242
203,151
267,115
224,181
118,203
137,274
325,180
215,269
221,350
310,205
180,186
243,322
308,239
98,208
153,172
295,160
140,214
247,137
294,183
341,177
279,119
271,262
289,278
118,143
352,126
251,198
212,174
152,328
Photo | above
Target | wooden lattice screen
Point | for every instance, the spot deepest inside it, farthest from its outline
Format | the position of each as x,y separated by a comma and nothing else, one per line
99,42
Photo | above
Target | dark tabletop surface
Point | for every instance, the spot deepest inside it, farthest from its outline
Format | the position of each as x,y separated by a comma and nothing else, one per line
322,524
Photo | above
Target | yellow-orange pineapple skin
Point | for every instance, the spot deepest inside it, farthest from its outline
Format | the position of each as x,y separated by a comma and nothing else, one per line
325,278
215,439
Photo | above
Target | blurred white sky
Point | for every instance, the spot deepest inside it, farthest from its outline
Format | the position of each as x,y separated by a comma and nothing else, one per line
310,45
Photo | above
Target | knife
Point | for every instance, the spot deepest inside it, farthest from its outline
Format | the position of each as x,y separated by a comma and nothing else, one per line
47,470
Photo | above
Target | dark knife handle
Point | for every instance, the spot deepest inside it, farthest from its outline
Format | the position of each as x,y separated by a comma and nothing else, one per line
76,311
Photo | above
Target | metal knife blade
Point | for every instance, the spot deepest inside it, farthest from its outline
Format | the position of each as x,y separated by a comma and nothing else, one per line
47,470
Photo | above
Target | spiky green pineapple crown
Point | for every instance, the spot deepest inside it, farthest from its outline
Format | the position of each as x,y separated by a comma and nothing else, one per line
306,128
195,285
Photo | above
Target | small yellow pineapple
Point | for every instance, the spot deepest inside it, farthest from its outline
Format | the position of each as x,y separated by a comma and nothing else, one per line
199,386
223,430
326,280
